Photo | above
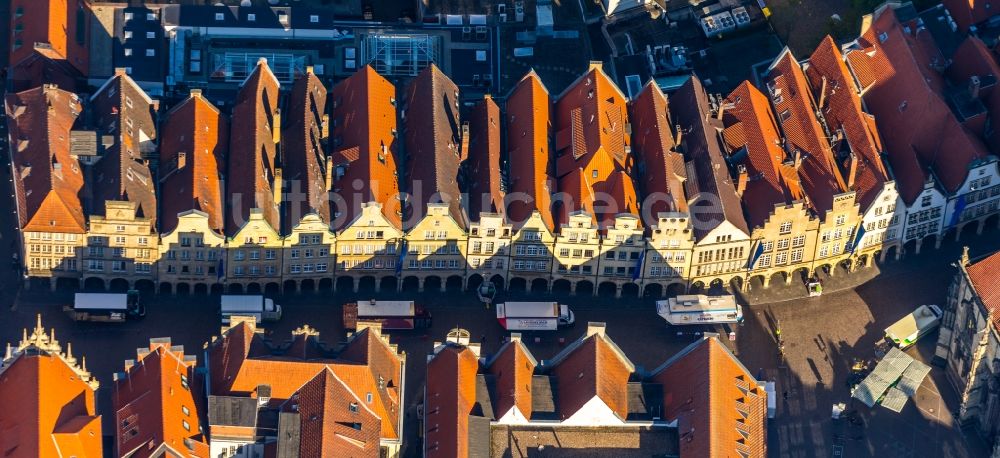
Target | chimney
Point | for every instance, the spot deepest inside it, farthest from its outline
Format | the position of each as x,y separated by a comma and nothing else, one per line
853,172
276,126
329,173
741,184
195,93
309,69
595,64
595,327
797,163
974,85
277,185
679,136
263,395
325,127
119,71
181,160
515,337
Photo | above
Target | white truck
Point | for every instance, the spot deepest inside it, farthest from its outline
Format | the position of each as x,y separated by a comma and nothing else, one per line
259,307
905,332
106,307
534,316
700,309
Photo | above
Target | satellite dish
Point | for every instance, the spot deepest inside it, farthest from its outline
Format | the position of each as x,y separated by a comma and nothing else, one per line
245,3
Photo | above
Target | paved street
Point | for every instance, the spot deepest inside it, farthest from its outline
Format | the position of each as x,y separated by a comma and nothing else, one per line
823,336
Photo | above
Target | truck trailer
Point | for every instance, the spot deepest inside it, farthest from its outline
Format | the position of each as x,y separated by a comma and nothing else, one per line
106,307
700,309
259,307
534,316
391,314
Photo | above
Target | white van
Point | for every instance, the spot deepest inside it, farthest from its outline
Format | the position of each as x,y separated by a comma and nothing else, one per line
905,332
259,307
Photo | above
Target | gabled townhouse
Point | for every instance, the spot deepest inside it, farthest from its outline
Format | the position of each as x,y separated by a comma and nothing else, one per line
159,404
783,229
974,67
722,238
48,181
669,238
192,217
254,185
858,147
310,251
941,168
529,197
60,24
489,232
577,250
367,206
346,401
591,397
969,13
120,189
828,194
435,255
41,67
48,398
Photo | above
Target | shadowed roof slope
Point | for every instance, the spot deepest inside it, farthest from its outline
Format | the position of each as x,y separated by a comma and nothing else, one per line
48,181
590,115
708,186
513,367
483,184
593,366
844,114
334,420
719,407
967,13
43,66
192,154
663,175
253,164
365,164
974,59
304,172
450,398
434,145
157,402
55,22
528,128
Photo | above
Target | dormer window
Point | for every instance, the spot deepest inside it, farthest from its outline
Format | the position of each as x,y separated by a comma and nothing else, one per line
220,17
251,17
314,18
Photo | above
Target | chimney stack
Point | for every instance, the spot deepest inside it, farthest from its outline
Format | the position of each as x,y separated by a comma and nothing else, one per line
822,94
797,163
195,93
679,136
741,184
181,160
329,173
595,327
277,185
974,86
852,173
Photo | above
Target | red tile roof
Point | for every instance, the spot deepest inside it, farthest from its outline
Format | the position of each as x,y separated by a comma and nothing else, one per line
793,102
158,404
576,194
986,284
43,66
974,59
303,156
615,196
513,368
334,421
48,401
903,90
123,110
50,21
843,112
252,163
590,116
592,367
48,181
663,168
434,148
486,193
449,399
365,162
199,132
753,140
970,12
240,361
713,398
528,129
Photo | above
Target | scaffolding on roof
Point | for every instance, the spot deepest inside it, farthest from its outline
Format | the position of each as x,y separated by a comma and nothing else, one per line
400,54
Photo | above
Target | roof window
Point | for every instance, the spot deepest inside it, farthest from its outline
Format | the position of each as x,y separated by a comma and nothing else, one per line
220,17
251,17
314,18
882,37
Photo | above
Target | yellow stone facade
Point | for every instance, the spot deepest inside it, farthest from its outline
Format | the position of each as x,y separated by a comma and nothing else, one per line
121,247
436,248
192,254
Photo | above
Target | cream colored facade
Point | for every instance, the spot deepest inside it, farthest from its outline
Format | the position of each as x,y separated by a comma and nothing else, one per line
531,253
788,244
309,255
577,252
668,253
253,258
621,254
436,248
121,246
837,233
53,254
368,247
489,247
191,254
720,256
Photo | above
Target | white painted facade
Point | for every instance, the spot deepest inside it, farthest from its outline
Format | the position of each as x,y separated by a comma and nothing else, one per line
924,217
594,413
883,220
980,193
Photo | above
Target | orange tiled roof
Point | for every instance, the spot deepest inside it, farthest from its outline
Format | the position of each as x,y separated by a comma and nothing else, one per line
123,110
48,181
592,367
196,129
843,112
43,66
663,172
365,165
329,424
48,401
984,280
576,194
752,138
449,399
528,128
53,22
590,116
483,185
616,196
253,166
513,368
302,152
705,389
903,90
804,136
969,12
150,401
434,148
